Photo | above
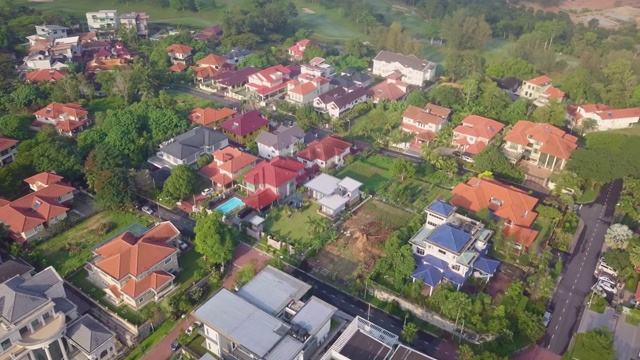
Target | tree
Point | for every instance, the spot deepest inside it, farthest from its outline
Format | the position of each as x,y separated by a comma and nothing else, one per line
465,352
213,239
181,183
312,51
317,225
553,113
491,159
245,274
518,110
599,344
464,31
410,333
16,126
114,189
531,325
618,236
204,160
549,212
511,67
463,64
103,158
402,168
587,125
165,123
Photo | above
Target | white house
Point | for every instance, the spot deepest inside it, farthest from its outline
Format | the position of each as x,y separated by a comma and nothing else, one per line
415,71
51,31
306,88
333,194
283,141
103,21
606,117
327,152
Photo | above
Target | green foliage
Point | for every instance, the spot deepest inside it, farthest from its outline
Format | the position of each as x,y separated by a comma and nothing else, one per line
464,31
402,168
531,325
181,183
549,212
260,60
214,239
114,189
598,344
553,113
342,62
16,127
245,274
312,51
410,333
204,160
491,159
511,67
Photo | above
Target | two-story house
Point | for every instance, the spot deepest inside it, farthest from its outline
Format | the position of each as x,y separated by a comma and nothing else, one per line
283,141
272,180
328,152
391,89
210,66
415,71
541,91
8,150
29,215
233,79
296,51
210,116
103,21
51,31
423,123
450,247
136,21
510,204
269,83
332,194
188,147
337,101
89,338
302,91
45,75
245,127
68,119
180,54
227,165
137,266
474,133
41,60
318,67
605,117
540,143
358,77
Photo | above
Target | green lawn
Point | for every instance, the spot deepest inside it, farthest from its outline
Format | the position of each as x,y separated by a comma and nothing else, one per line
543,226
197,345
294,227
598,304
187,102
372,172
153,339
189,263
589,196
72,249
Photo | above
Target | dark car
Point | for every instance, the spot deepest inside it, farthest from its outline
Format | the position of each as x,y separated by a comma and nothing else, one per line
456,153
175,345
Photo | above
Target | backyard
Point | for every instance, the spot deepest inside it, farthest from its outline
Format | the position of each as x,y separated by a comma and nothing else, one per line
290,225
372,172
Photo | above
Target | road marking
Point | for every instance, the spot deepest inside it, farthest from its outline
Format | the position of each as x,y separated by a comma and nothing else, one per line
564,309
556,327
552,336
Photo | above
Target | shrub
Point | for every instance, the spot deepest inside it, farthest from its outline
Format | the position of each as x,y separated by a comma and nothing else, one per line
104,228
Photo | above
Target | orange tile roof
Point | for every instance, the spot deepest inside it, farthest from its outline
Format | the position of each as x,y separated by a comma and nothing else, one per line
475,149
6,143
4,202
43,178
521,235
178,67
276,172
554,93
106,65
606,112
389,90
45,75
213,60
540,80
437,110
480,127
261,199
517,206
554,141
304,88
419,132
179,49
130,255
204,72
230,161
324,149
208,116
54,110
155,280
424,116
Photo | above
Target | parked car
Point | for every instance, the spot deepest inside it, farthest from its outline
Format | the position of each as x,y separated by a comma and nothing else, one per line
175,345
147,210
182,245
546,318
207,192
467,158
456,153
606,279
606,286
194,327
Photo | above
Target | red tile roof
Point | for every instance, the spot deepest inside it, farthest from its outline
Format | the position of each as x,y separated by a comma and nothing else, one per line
244,124
475,149
45,75
302,89
178,67
324,149
155,280
540,80
522,235
43,178
54,110
606,112
272,74
230,161
204,72
298,48
179,49
536,352
276,172
554,93
389,90
555,141
213,60
479,126
208,116
261,199
424,116
6,143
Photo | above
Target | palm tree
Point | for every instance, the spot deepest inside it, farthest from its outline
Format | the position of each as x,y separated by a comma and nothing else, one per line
317,225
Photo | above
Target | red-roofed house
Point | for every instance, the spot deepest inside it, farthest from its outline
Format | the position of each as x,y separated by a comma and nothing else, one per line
180,54
207,33
8,150
27,216
328,152
390,90
271,180
227,165
245,127
45,75
178,67
210,66
68,119
543,144
136,269
215,61
424,123
302,91
475,133
541,91
270,82
210,116
510,204
606,117
296,51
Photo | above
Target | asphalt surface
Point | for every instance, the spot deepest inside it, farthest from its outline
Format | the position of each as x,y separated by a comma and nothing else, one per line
577,279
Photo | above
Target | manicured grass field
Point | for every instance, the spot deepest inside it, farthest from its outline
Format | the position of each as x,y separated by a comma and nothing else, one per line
189,263
372,172
293,227
84,236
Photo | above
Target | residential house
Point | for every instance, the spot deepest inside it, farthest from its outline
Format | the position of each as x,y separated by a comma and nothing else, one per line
543,144
272,180
233,79
8,150
180,54
136,21
269,83
423,123
245,127
337,101
209,116
208,33
414,71
505,202
210,66
45,75
604,116
227,165
332,194
318,67
106,64
328,152
541,91
358,77
51,31
178,67
137,266
68,47
265,319
188,147
304,90
103,21
296,51
450,247
236,55
90,339
68,119
474,133
41,60
31,214
390,90
283,141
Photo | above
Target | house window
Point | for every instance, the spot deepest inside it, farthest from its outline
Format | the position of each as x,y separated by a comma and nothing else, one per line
431,224
455,267
35,323
46,316
442,252
167,261
6,344
24,330
420,251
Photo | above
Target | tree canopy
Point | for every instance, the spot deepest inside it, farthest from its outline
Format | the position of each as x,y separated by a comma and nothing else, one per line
214,239
181,182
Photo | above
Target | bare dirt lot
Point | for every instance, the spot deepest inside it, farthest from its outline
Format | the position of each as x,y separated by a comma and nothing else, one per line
609,13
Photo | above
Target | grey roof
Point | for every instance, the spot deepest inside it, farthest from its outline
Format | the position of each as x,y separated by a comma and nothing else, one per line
281,138
63,305
16,302
323,183
313,315
332,94
333,202
343,100
404,352
344,81
286,349
242,322
191,142
88,333
410,61
53,27
350,184
237,52
207,356
272,290
11,268
42,281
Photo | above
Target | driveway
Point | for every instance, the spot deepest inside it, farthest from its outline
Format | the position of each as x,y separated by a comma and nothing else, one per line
162,350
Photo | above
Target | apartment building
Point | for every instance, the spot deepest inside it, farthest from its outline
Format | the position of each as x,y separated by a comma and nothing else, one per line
103,21
414,71
136,21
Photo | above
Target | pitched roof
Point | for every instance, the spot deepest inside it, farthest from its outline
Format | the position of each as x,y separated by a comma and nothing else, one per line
450,238
43,178
522,235
348,98
554,93
11,268
479,126
324,149
55,110
441,208
234,78
128,254
540,80
177,67
299,47
332,95
105,65
88,333
212,60
244,124
205,72
606,112
554,141
230,160
410,61
45,75
424,116
261,199
208,32
208,116
507,202
389,90
304,88
191,142
276,172
281,138
179,49
20,297
155,280
6,143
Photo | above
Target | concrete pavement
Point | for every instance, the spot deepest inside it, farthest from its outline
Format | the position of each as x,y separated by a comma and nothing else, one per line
578,278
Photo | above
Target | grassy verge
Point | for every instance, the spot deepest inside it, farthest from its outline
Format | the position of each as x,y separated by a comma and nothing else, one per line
189,263
197,345
372,172
598,304
153,339
589,196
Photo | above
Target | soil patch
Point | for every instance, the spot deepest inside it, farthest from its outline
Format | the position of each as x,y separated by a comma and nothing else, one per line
307,11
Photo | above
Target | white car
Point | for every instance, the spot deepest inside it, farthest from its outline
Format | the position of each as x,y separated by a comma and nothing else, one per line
194,327
606,286
607,280
147,210
467,158
546,318
207,192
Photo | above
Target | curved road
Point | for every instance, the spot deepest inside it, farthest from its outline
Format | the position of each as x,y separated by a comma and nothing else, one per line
577,279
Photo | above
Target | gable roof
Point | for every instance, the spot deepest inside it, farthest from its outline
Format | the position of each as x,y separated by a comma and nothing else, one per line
179,49
20,297
212,60
45,75
273,74
43,178
389,90
324,149
191,142
281,138
208,116
540,80
11,268
54,110
88,333
244,124
408,61
555,141
6,143
348,98
234,78
606,112
331,95
449,237
177,67
425,116
230,160
276,172
479,126
261,199
155,280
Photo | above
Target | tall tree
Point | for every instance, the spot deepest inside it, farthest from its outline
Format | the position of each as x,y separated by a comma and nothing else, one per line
181,183
402,168
464,31
214,239
553,113
114,189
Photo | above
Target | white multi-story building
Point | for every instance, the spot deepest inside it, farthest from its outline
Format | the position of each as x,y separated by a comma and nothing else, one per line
102,21
51,31
137,21
605,117
415,71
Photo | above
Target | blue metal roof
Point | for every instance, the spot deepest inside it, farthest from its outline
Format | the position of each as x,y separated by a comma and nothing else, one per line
441,208
450,238
429,274
454,277
486,265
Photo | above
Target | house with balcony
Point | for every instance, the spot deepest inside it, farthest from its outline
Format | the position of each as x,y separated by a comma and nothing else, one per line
137,266
302,91
228,164
328,152
210,66
474,133
51,31
332,194
541,91
104,22
68,119
8,150
137,21
450,248
210,116
245,127
31,214
415,71
318,67
505,203
182,54
268,83
338,101
188,147
296,51
542,144
423,124
283,141
604,116
272,180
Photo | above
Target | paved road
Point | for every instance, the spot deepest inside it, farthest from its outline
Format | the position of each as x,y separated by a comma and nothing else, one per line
578,278
209,96
356,307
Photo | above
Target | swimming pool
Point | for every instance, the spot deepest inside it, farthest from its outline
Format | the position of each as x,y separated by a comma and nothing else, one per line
229,205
